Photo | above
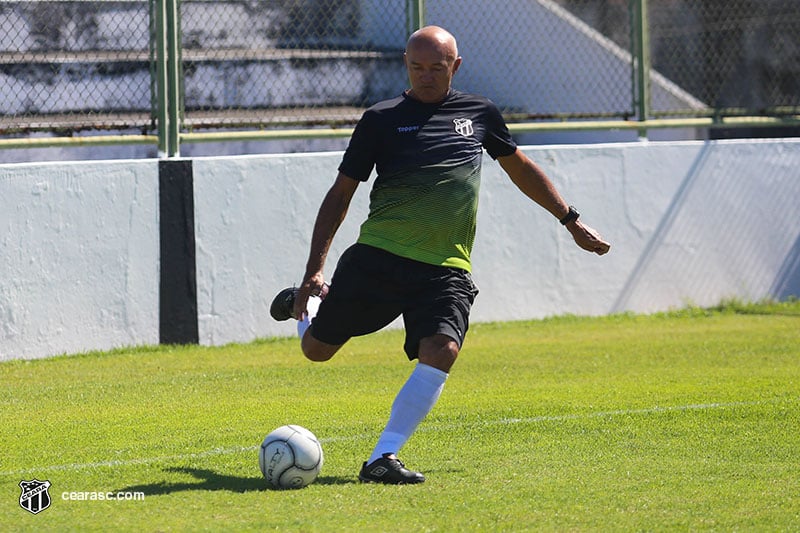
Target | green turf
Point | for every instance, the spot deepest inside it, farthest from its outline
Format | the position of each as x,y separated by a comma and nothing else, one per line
681,421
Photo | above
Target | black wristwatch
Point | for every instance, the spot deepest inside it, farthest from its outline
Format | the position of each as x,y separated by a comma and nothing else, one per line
569,217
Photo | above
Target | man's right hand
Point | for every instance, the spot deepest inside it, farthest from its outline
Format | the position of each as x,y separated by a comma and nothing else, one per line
314,285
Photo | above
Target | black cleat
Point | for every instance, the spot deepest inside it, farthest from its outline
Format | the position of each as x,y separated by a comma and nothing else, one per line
283,304
388,469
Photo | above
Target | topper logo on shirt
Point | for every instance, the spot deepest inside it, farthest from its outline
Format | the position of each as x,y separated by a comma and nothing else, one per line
464,126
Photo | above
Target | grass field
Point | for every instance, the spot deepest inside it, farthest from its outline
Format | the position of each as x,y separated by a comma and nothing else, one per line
681,421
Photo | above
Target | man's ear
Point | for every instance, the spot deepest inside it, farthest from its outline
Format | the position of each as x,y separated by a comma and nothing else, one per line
456,64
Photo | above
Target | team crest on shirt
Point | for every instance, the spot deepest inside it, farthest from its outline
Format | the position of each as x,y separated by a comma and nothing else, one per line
464,126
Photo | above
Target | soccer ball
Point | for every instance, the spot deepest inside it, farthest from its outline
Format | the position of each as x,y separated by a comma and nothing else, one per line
290,457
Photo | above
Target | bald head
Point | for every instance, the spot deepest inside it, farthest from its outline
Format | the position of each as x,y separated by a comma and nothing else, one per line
434,37
431,60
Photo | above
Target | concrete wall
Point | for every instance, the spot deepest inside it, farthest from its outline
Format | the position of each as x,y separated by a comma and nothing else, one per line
689,223
78,257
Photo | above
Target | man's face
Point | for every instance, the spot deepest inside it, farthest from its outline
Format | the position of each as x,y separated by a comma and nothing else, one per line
431,66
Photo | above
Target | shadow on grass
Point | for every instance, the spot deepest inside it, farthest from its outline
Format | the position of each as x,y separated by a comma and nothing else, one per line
209,480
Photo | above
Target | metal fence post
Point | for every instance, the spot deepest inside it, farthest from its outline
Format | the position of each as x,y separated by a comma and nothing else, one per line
416,15
173,77
158,7
642,37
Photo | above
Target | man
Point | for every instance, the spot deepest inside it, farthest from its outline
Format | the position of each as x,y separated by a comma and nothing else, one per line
412,257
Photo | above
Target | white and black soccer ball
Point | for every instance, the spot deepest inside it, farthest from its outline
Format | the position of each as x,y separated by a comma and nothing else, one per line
290,457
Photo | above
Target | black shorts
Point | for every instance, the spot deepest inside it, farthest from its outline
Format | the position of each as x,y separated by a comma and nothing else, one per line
372,287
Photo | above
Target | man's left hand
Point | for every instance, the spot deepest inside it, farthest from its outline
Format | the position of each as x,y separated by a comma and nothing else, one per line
587,238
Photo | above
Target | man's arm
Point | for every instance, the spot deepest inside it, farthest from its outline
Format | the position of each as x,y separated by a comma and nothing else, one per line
329,218
533,182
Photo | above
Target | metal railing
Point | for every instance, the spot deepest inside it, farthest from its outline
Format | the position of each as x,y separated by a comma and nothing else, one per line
169,72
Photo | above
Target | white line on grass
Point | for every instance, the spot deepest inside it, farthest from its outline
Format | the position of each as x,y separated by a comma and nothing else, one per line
425,428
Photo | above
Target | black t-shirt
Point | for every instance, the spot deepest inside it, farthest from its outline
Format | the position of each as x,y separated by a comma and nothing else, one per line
427,156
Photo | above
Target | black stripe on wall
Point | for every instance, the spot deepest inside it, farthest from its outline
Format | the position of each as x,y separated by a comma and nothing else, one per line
178,285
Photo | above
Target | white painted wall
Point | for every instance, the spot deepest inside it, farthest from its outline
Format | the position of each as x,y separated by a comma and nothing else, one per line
689,222
78,257
254,216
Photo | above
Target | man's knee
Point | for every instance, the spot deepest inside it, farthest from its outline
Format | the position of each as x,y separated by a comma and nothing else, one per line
438,351
317,351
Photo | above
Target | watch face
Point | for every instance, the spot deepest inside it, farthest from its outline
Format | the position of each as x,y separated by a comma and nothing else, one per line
569,217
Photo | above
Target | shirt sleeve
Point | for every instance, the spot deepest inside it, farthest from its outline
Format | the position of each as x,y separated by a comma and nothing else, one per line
498,141
359,157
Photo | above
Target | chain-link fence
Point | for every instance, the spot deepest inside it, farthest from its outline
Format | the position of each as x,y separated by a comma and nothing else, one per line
736,56
74,65
289,62
67,66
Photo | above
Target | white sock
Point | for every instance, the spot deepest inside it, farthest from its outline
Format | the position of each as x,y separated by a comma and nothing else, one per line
412,404
311,311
